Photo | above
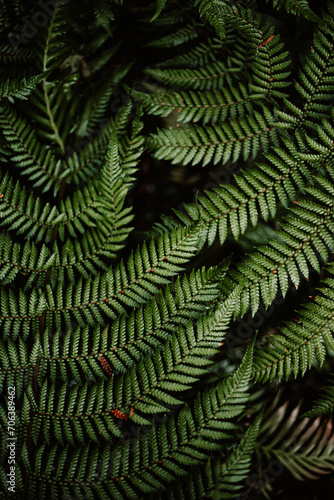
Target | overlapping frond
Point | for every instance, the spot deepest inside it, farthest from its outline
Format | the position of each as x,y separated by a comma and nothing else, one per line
27,260
175,445
304,447
126,285
22,212
115,344
324,405
305,241
238,464
315,82
77,354
195,144
256,193
207,107
158,378
37,162
299,343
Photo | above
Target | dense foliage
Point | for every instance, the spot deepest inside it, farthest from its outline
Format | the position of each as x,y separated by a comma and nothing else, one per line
166,254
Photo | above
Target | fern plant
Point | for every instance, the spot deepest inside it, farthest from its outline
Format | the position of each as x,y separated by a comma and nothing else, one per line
125,275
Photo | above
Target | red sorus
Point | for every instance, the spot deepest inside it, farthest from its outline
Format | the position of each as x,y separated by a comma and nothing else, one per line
1,195
122,415
182,100
179,110
105,364
296,202
107,300
165,258
275,272
266,41
122,292
152,271
311,297
271,79
267,129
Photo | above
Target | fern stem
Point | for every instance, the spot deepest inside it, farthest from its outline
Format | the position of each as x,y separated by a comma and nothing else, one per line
45,90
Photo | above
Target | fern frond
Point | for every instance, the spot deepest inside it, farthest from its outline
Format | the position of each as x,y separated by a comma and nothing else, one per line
305,449
19,313
204,53
315,81
185,34
220,477
13,89
24,213
207,106
17,363
324,405
238,464
160,6
256,193
125,285
211,11
36,161
195,144
27,260
306,240
300,342
76,354
163,375
175,446
208,77
297,7
89,409
85,160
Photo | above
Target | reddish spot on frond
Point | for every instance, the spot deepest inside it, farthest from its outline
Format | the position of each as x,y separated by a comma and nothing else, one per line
105,364
266,41
121,415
